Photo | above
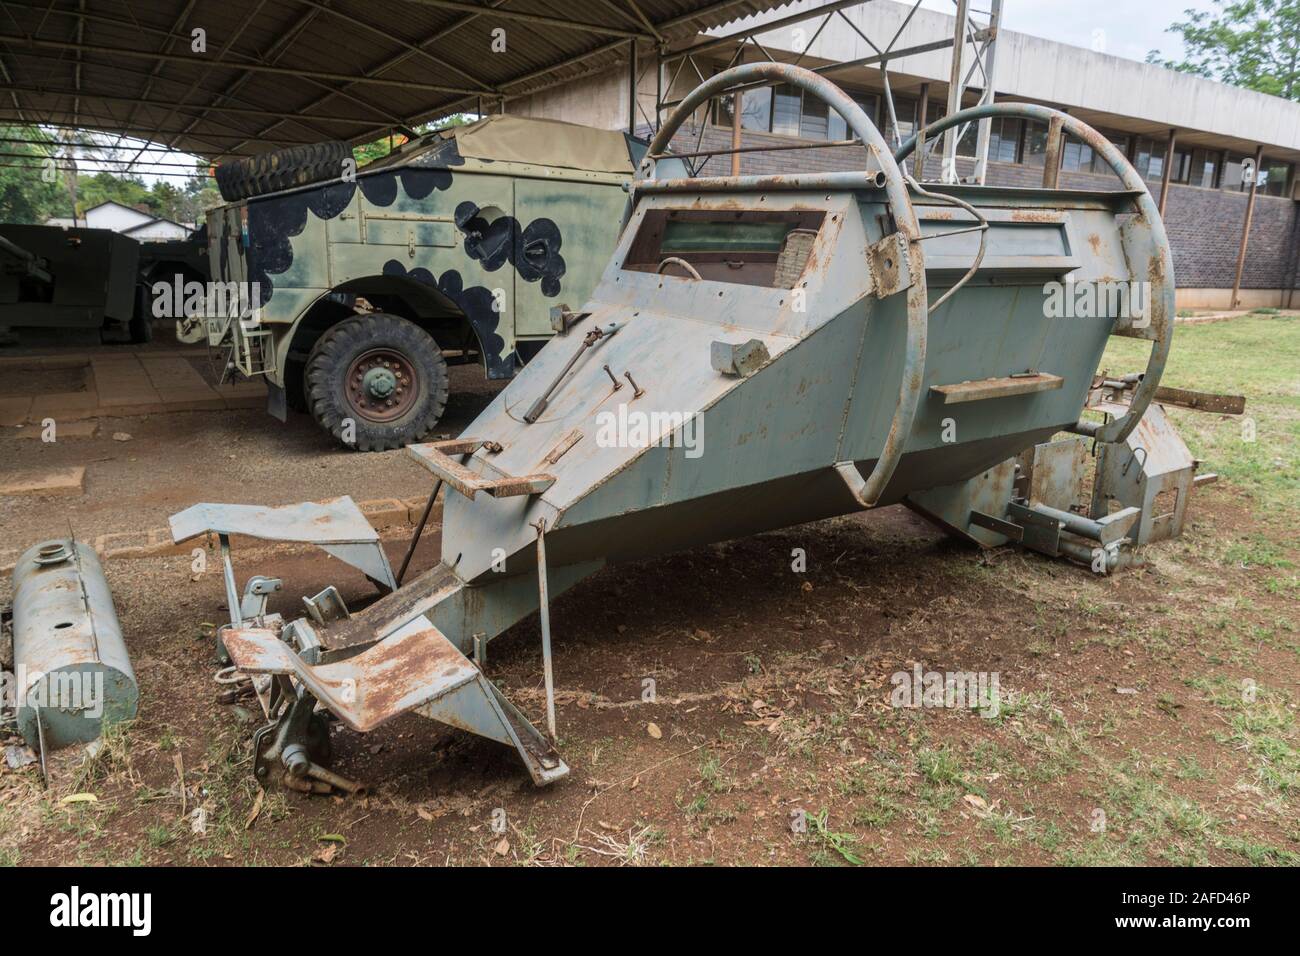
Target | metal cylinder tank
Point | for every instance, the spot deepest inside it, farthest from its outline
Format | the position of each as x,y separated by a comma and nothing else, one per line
72,673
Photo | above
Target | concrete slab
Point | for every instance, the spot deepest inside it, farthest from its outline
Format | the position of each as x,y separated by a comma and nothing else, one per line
13,411
63,431
60,481
121,382
55,404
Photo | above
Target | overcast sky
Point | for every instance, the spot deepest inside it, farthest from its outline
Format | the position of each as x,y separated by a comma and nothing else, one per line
1129,27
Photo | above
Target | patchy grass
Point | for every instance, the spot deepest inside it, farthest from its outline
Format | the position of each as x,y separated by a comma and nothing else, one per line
1258,453
1144,718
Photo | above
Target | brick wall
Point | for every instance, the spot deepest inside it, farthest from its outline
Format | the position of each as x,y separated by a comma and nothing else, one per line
1204,225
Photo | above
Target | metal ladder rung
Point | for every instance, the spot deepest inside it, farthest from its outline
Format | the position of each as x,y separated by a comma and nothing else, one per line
987,388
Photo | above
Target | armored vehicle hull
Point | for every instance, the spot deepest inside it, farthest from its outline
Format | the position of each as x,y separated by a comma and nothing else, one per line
761,352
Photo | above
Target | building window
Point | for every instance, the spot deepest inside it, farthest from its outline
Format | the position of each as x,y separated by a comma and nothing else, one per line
1182,167
786,108
838,129
814,122
1035,148
1076,155
1149,158
1274,176
1004,140
1233,181
1277,178
1204,170
756,110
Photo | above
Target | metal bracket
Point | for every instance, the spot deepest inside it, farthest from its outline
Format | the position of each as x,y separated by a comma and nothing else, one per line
742,359
252,606
1041,533
327,606
437,457
562,319
890,265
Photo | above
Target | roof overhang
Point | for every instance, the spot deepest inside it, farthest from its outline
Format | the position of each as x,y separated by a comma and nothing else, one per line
236,77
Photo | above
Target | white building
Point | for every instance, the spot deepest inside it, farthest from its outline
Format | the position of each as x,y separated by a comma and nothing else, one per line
127,220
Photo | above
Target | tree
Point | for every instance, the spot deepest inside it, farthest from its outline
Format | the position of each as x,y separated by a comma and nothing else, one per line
378,149
30,191
197,195
103,186
1253,44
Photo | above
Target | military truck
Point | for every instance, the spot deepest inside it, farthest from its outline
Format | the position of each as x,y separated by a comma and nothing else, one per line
451,250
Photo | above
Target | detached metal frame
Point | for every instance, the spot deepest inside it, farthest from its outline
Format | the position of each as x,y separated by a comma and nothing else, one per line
973,44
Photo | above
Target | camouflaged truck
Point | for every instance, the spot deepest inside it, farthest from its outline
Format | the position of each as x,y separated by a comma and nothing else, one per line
452,249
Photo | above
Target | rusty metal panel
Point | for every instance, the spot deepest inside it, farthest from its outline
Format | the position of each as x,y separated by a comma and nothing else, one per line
396,675
1056,475
1201,401
436,458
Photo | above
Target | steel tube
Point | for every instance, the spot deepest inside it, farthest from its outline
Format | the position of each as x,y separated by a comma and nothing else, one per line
544,613
815,182
72,672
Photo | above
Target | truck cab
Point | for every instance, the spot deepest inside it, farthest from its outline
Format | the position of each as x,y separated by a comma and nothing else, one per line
364,285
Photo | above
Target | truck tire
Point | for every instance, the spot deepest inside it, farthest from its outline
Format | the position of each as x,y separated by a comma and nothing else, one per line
376,382
281,169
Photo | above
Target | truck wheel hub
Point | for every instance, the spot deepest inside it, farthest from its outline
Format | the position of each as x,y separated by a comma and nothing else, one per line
381,385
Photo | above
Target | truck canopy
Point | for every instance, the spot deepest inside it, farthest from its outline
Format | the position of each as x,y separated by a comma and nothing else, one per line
537,142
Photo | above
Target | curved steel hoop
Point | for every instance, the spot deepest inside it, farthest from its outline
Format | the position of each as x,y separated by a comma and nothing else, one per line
1159,267
900,207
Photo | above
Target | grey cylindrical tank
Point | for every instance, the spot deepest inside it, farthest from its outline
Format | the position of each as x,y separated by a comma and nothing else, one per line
70,662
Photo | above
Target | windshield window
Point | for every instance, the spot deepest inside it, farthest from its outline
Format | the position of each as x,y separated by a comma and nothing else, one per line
747,247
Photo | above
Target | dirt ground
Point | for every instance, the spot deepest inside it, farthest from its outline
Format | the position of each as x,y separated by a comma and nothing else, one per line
1145,717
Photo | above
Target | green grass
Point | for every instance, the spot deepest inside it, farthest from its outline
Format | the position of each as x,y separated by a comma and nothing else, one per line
829,843
1255,356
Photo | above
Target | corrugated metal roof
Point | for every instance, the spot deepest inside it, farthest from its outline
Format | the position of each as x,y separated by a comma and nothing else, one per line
229,77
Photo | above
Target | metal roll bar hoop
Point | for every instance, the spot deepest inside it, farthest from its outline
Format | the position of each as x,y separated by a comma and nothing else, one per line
906,242
1159,269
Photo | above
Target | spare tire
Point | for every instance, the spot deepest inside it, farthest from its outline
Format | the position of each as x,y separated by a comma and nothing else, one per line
281,169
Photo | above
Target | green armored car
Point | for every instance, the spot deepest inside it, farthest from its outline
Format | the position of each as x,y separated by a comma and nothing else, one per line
365,284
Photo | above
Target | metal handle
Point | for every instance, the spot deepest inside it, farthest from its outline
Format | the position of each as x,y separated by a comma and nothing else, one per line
1159,267
900,208
679,261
